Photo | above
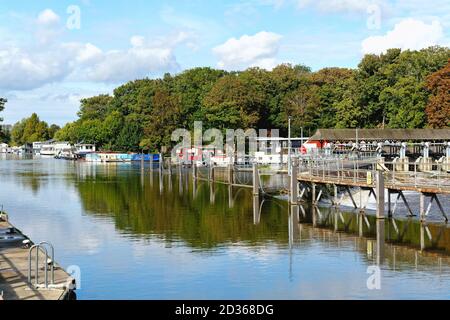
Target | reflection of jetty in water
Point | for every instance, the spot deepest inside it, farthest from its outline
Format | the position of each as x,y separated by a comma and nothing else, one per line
388,242
148,202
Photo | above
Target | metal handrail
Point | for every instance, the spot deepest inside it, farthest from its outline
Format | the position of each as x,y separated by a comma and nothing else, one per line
42,246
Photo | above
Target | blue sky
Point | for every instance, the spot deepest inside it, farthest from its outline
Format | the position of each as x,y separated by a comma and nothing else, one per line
53,53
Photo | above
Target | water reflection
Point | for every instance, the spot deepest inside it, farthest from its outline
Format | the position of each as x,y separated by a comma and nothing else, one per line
227,237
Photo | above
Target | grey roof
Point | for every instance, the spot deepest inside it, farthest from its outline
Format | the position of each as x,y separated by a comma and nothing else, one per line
382,134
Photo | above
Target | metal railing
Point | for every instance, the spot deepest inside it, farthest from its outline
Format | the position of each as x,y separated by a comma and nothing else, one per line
414,175
42,246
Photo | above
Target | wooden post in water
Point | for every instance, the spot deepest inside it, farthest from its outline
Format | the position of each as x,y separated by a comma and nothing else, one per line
211,171
294,181
335,200
313,191
194,171
170,166
380,194
230,173
422,208
161,162
255,180
151,162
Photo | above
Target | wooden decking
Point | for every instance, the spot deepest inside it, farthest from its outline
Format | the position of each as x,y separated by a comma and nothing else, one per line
14,275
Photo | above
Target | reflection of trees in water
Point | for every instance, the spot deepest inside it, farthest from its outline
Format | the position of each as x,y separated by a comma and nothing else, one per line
141,209
32,180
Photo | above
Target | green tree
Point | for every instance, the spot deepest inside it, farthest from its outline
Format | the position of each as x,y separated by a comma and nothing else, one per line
29,130
232,104
164,119
3,101
4,136
52,130
95,108
405,103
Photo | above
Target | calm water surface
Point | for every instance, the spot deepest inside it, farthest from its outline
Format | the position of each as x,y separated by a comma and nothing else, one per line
137,236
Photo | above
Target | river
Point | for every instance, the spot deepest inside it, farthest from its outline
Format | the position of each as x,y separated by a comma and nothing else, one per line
135,236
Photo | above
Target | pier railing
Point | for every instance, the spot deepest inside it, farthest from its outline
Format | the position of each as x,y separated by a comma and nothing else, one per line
407,176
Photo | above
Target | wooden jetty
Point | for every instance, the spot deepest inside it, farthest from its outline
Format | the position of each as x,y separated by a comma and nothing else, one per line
374,175
15,271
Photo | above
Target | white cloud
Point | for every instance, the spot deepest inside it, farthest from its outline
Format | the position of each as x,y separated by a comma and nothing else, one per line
137,62
259,50
407,34
44,58
25,70
48,17
350,6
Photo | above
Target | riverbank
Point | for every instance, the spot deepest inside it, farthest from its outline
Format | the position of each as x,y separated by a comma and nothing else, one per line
14,284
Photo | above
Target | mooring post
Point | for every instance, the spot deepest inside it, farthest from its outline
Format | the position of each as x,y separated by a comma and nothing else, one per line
151,163
170,165
389,203
313,194
380,194
422,207
161,162
294,181
210,171
335,200
255,179
194,170
230,173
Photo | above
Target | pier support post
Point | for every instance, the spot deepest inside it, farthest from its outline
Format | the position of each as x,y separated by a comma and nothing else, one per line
161,162
294,181
389,203
256,211
151,163
335,199
380,194
313,192
422,207
230,173
255,180
194,171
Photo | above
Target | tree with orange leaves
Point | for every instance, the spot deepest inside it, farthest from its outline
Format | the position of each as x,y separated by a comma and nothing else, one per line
438,108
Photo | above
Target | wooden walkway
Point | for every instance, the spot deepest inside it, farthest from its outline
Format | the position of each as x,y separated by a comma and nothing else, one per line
14,275
423,182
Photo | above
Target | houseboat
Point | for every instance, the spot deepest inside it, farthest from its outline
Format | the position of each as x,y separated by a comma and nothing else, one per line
108,157
4,148
55,149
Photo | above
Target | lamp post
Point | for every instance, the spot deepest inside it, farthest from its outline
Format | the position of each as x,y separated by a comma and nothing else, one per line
289,145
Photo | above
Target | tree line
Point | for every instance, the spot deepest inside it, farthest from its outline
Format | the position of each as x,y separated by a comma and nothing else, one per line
397,89
32,129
